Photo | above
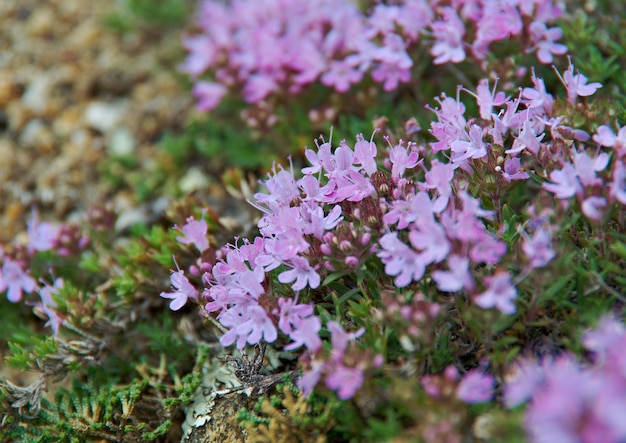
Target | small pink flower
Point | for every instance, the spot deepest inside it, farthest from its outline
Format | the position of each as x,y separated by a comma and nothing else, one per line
500,294
513,170
42,236
208,94
194,231
576,84
183,291
345,380
476,387
16,280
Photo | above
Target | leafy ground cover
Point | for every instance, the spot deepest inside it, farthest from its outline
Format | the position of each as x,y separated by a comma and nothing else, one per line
394,221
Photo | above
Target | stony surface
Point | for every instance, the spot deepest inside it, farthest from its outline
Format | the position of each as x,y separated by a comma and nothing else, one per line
74,92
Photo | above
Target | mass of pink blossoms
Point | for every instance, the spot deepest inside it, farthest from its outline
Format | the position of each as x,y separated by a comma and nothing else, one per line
410,207
15,277
261,47
571,402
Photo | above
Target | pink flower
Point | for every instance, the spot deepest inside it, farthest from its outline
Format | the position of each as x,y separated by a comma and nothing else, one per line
500,294
302,272
48,304
527,139
513,170
537,98
365,154
487,99
345,380
618,185
470,146
42,236
202,54
448,33
402,160
565,184
16,280
400,260
544,41
194,231
247,323
526,377
538,248
208,94
306,332
592,207
476,387
341,74
576,84
291,314
606,137
311,377
340,338
430,239
458,276
183,290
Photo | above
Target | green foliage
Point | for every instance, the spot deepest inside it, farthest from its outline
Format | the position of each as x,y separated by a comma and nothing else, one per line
132,15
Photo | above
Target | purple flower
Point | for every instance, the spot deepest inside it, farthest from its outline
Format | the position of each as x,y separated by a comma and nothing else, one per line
538,248
341,74
183,290
401,160
487,99
525,379
345,380
513,170
365,154
42,236
302,272
476,387
194,231
247,323
618,185
566,182
340,338
458,276
487,249
448,33
586,167
48,304
537,98
592,207
400,260
430,239
576,85
208,95
16,280
544,41
306,332
314,221
202,54
291,314
471,146
311,377
282,189
527,139
500,294
606,137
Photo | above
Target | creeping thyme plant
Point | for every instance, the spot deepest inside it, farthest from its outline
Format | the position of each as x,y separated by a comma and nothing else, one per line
460,282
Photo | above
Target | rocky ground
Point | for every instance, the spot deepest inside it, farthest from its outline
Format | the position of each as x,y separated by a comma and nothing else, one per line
75,92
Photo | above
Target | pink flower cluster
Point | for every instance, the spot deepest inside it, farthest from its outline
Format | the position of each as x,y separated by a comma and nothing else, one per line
15,278
262,47
574,402
408,206
476,386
